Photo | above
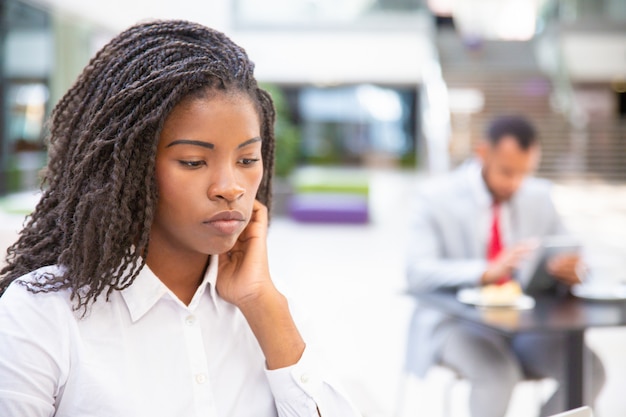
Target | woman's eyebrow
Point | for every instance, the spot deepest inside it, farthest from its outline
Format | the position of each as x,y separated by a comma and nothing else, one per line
248,142
209,145
192,142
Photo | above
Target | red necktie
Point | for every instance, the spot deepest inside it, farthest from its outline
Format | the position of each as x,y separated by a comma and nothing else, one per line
495,246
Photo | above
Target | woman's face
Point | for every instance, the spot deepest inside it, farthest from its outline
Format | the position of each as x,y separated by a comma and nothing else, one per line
208,170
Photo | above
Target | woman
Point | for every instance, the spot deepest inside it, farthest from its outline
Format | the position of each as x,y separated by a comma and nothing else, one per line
140,285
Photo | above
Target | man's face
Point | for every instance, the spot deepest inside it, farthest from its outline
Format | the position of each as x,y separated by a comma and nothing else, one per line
506,165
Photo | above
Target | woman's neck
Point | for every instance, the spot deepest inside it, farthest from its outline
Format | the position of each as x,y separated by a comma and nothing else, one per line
182,274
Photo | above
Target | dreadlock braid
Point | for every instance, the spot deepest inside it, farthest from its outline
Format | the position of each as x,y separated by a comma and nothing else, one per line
99,190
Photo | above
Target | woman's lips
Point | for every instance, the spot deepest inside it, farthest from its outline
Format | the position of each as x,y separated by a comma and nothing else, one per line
226,222
228,227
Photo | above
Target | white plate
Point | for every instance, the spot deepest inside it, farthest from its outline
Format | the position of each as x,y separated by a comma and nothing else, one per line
597,291
473,296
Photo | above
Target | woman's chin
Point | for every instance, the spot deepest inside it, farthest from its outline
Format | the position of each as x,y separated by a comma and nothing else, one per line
223,248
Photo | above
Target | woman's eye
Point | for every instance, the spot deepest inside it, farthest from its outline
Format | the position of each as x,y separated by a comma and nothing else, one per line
248,161
191,164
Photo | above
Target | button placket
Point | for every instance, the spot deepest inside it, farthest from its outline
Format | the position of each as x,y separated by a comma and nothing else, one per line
192,330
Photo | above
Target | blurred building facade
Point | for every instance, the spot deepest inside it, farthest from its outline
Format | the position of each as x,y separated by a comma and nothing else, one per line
42,52
27,61
368,82
569,76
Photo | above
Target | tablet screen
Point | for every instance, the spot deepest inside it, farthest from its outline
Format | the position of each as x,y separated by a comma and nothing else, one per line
533,275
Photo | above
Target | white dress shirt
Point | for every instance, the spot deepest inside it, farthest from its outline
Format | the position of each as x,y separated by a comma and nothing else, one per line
484,209
145,353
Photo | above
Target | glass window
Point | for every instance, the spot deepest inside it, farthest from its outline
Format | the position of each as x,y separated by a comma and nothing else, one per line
311,13
356,125
27,63
27,104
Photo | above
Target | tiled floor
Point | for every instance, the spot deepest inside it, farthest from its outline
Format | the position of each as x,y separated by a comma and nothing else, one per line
349,280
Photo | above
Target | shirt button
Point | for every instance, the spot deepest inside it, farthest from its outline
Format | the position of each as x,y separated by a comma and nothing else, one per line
304,378
190,320
201,378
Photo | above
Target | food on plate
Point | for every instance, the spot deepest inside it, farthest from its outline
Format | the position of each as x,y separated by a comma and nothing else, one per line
506,293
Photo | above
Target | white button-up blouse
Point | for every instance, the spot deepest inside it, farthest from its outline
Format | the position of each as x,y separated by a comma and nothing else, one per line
145,353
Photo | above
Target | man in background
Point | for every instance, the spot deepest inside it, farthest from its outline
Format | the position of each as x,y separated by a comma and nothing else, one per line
472,228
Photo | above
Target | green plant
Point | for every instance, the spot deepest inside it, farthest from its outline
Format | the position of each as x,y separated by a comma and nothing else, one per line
286,132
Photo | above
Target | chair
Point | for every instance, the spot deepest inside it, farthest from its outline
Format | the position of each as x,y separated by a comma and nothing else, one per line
448,379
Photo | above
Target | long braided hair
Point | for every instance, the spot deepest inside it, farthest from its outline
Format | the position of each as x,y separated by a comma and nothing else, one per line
99,189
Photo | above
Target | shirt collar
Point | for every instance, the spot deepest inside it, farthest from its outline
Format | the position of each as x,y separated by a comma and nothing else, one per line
479,189
478,186
147,289
209,280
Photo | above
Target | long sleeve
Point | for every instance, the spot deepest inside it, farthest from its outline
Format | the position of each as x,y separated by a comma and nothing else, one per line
443,251
31,363
438,255
301,391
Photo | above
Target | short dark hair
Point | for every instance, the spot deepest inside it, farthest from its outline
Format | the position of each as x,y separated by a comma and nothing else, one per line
516,126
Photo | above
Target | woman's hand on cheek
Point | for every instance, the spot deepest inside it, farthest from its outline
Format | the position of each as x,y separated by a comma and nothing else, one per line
244,280
243,273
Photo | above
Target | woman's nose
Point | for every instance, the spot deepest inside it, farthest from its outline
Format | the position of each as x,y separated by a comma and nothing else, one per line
225,186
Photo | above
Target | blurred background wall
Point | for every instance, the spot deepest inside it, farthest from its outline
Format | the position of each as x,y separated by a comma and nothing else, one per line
401,83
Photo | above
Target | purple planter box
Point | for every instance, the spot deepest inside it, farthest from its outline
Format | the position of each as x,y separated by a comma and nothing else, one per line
329,208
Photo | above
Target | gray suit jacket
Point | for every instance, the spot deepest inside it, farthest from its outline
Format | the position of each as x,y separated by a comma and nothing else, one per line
444,249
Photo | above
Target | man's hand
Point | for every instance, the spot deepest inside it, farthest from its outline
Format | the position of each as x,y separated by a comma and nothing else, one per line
507,261
565,268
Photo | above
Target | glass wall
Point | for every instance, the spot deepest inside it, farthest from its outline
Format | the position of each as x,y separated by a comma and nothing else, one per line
345,123
26,67
42,53
312,13
355,125
576,11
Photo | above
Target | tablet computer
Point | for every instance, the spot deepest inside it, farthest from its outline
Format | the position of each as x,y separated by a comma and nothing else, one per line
533,275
